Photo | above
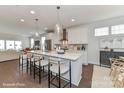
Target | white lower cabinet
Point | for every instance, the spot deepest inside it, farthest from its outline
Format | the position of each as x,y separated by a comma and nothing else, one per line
84,57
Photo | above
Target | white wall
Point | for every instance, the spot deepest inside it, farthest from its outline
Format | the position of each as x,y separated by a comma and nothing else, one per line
93,46
93,42
25,40
6,34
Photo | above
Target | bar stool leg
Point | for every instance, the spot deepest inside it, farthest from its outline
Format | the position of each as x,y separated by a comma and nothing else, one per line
19,63
22,64
27,65
40,75
59,76
49,74
34,69
43,69
70,73
30,67
39,72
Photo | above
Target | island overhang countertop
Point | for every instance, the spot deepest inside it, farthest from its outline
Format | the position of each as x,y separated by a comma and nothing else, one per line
69,55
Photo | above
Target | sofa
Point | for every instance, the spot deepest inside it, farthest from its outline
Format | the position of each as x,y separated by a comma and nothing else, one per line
8,55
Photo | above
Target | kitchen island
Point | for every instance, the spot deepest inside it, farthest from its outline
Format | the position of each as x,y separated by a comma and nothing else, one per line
74,57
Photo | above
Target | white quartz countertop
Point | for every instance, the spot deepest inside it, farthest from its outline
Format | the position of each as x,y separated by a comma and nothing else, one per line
69,55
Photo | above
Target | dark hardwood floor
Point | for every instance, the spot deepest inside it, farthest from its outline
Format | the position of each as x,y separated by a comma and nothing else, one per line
87,73
10,77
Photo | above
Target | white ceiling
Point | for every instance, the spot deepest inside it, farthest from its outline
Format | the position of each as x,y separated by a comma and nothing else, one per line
48,17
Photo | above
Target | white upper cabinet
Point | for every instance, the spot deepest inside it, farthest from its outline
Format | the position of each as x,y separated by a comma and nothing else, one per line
77,35
106,43
115,43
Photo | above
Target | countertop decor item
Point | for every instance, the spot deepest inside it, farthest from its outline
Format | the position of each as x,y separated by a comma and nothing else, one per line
60,51
83,47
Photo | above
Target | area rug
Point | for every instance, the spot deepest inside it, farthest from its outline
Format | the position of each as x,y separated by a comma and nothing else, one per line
101,78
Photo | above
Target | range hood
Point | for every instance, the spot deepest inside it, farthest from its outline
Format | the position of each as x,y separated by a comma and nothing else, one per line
64,39
64,35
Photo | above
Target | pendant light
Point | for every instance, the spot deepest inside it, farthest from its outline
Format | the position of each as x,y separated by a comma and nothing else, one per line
58,25
36,22
59,28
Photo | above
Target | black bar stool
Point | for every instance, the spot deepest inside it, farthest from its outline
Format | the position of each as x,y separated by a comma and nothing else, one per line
31,63
39,66
24,62
32,59
58,68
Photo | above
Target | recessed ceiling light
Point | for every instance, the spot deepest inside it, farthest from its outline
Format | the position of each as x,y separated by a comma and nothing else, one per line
73,20
32,12
37,34
22,20
45,28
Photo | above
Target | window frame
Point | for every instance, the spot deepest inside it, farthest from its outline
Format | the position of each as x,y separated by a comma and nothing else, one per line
116,30
108,31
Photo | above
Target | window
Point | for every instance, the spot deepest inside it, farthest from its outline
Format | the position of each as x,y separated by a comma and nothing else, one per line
2,44
43,43
18,45
102,31
118,29
32,42
9,44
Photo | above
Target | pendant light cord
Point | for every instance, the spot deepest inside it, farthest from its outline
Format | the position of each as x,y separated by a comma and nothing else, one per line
36,20
58,15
